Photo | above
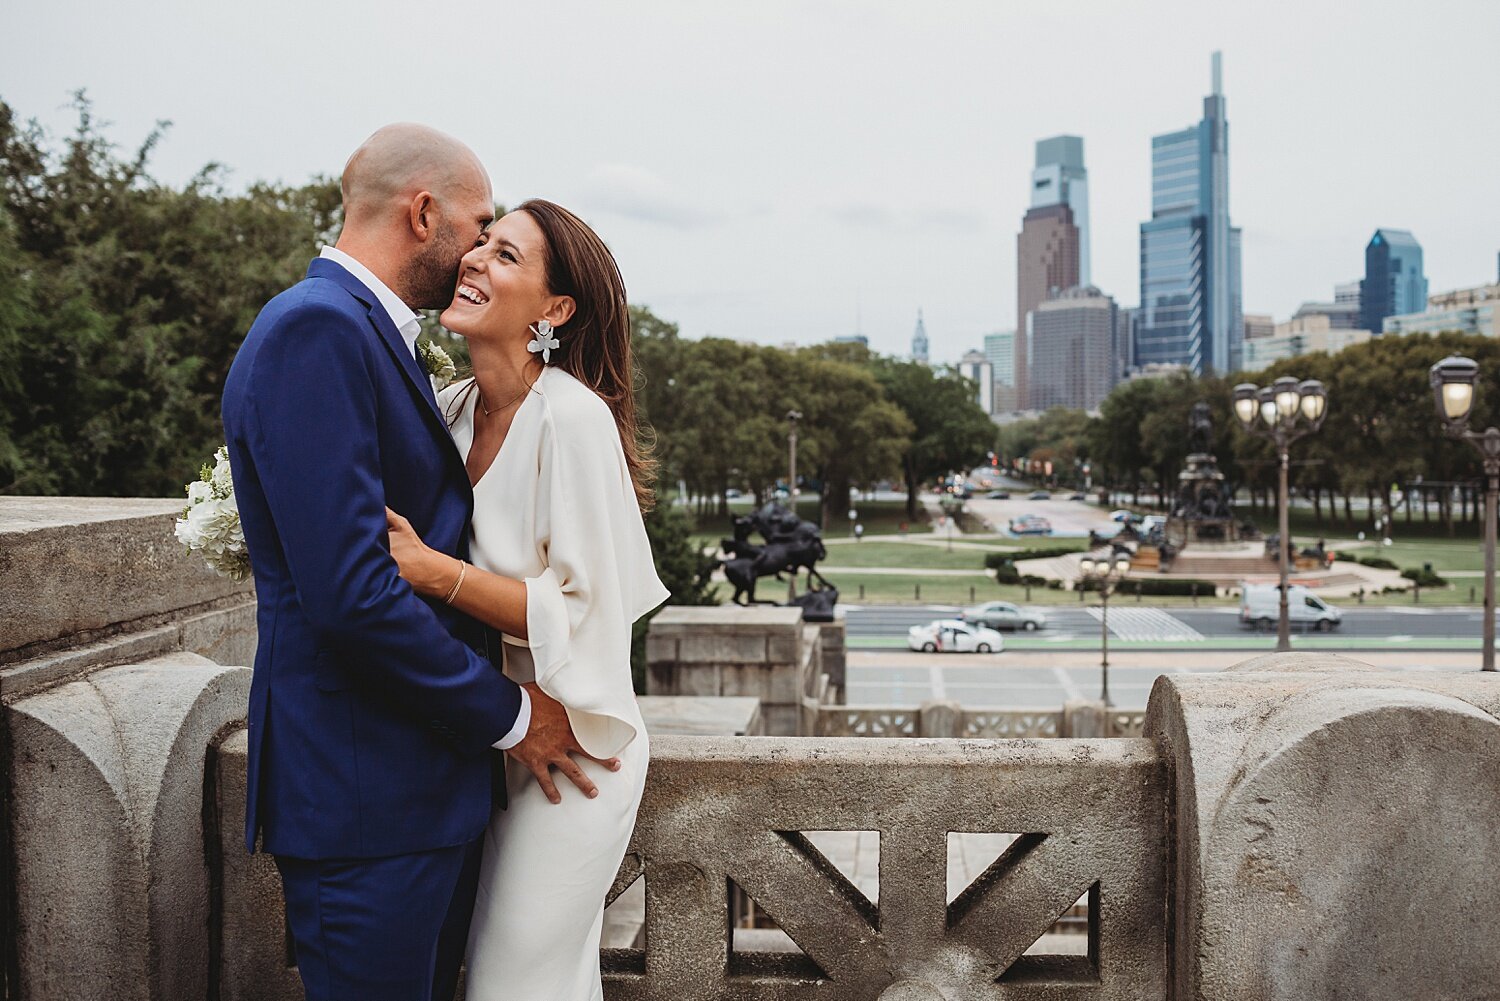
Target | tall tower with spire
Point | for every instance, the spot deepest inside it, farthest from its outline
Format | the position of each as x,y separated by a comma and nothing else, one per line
1191,310
919,340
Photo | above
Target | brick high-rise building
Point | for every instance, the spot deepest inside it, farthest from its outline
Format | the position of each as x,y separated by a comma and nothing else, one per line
1046,262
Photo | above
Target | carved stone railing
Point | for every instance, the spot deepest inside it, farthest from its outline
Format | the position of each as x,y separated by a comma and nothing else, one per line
949,719
1090,820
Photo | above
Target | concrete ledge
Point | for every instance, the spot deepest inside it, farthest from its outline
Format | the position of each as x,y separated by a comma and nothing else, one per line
76,567
686,715
223,633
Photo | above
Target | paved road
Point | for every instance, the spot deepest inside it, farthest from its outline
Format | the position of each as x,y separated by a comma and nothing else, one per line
1131,625
1069,518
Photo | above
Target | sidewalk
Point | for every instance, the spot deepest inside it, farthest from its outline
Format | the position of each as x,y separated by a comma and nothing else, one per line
1160,659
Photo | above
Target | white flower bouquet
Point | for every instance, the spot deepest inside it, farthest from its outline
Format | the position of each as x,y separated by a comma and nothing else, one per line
210,524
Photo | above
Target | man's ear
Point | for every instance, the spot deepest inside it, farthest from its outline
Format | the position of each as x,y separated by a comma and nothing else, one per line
560,310
422,216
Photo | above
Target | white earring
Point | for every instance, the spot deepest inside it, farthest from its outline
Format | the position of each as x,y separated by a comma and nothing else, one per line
545,340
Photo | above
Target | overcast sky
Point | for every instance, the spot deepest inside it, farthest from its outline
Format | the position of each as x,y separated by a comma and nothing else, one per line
763,170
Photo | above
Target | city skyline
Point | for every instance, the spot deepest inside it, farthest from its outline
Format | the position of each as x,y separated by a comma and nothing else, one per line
770,207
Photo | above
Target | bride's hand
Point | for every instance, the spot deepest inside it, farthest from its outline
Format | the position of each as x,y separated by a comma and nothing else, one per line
426,570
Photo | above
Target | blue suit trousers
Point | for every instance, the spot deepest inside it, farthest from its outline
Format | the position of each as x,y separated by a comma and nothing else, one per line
381,929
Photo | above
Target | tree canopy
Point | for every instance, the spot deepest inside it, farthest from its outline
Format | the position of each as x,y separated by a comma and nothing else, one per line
1381,428
122,303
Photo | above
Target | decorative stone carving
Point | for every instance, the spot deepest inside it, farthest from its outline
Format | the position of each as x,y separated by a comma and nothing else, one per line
112,896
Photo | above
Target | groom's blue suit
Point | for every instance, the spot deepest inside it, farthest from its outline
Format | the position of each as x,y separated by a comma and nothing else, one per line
371,713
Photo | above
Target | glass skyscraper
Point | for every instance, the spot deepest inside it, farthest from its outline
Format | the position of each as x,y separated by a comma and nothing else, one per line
1060,178
1191,309
1000,352
1394,283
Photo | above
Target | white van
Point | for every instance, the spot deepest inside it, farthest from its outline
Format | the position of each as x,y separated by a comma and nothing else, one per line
1260,608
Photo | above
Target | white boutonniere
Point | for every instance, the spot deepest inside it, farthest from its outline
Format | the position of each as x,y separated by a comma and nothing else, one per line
545,341
210,524
437,363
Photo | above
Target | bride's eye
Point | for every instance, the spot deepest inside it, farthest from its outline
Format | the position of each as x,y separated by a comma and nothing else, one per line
508,256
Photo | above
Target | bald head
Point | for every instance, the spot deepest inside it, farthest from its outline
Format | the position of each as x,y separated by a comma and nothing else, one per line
402,160
415,200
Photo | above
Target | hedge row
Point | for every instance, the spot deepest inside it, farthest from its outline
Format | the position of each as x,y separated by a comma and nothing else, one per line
1158,586
1378,562
994,561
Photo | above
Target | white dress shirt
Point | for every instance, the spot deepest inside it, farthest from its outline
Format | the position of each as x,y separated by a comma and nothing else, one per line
409,326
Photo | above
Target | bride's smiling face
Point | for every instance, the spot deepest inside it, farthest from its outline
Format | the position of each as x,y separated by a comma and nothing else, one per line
502,284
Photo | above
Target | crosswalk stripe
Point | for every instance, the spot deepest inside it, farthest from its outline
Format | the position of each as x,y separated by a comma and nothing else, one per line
1148,624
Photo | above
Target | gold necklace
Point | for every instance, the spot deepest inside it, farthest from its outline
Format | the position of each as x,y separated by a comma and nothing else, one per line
513,399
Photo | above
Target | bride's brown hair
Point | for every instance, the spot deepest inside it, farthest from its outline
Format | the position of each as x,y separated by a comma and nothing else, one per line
596,339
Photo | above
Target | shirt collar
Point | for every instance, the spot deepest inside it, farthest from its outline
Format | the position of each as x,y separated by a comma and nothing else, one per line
400,313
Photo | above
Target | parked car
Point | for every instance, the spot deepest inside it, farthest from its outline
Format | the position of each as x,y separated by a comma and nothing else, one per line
1078,496
998,495
954,636
1004,615
1260,608
1039,495
1030,524
1122,516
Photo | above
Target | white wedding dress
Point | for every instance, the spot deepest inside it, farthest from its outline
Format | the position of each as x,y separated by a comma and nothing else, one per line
557,509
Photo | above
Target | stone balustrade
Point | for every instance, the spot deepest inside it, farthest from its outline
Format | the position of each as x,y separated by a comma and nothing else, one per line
1300,826
952,719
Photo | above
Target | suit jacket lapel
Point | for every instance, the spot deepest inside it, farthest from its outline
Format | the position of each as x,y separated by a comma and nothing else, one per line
421,382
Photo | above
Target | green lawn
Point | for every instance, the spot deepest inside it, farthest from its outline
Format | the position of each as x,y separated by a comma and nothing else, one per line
913,555
1443,555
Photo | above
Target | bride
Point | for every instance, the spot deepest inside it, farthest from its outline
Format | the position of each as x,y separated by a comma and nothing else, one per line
561,568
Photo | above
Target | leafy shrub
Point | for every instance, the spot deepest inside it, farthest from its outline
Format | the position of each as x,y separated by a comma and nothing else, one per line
1422,577
1378,562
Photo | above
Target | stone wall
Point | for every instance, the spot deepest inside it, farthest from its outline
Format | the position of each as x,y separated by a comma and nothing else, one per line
763,651
1299,827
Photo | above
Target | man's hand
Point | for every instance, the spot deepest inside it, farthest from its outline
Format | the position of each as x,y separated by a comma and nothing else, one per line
549,743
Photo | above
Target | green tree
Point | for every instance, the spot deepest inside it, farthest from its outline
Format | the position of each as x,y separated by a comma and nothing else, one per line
682,568
949,430
850,432
137,296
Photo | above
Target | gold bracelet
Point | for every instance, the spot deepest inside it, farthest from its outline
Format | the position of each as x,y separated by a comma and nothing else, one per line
463,568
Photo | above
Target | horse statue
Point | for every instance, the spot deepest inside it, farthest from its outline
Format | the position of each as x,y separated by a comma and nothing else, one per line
791,544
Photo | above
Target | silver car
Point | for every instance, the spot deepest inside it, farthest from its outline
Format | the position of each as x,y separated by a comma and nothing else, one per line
1004,615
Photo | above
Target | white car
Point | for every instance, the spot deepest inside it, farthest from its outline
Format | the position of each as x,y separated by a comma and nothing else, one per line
954,636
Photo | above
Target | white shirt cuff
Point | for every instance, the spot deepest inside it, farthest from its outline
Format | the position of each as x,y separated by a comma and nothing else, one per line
523,723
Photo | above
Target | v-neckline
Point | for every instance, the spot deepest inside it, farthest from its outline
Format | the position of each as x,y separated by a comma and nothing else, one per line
509,432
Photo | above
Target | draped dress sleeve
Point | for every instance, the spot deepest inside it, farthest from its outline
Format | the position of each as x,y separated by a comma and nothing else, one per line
598,574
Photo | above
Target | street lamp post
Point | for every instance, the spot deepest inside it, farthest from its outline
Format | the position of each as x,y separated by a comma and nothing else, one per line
1453,382
1106,575
792,417
1281,413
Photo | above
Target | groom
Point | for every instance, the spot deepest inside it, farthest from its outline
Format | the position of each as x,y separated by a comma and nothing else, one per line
371,713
